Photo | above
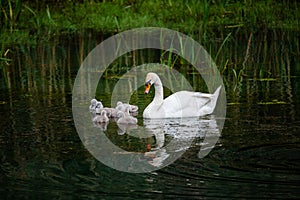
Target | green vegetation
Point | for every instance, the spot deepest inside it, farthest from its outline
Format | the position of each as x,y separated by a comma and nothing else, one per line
28,21
254,39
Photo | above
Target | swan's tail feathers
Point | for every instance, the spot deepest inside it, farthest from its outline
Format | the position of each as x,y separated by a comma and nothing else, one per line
217,92
215,98
207,102
207,95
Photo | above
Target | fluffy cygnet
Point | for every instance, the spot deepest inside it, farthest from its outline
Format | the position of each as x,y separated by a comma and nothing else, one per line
122,106
101,116
125,118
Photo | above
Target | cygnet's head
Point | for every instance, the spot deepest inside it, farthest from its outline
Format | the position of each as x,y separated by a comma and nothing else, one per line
99,104
127,109
120,114
94,102
103,112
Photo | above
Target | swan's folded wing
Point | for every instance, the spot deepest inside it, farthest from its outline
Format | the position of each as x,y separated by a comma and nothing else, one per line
202,95
208,95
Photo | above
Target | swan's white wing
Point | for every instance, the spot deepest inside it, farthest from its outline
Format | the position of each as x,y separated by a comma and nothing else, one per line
185,104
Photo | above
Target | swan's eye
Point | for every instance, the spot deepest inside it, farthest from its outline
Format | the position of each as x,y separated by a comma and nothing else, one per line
148,83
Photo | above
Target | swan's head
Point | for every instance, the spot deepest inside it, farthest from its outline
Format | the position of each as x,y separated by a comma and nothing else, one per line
150,79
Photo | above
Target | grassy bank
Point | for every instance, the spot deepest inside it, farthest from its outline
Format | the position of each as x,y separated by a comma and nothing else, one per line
29,21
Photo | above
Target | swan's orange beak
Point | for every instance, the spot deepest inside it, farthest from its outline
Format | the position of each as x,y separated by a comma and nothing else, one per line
148,85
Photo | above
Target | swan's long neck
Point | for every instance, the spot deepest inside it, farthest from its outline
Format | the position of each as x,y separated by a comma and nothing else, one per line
159,91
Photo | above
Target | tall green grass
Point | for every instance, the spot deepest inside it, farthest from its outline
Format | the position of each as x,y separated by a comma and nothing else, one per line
10,13
236,33
273,55
193,17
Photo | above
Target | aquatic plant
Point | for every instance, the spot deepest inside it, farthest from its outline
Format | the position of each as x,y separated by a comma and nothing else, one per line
236,33
10,13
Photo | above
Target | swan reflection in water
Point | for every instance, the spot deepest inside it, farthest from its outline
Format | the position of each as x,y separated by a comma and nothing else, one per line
182,132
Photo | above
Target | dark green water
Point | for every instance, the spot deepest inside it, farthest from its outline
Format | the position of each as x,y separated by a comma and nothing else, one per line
42,156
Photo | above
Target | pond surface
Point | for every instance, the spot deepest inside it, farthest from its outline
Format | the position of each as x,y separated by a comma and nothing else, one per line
43,157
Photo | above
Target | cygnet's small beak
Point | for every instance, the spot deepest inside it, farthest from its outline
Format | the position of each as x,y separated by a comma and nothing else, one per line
148,85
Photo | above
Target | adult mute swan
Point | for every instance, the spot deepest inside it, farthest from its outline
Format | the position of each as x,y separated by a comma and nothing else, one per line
179,104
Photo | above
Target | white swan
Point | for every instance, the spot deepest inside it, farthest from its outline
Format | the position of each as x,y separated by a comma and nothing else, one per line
179,104
101,116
